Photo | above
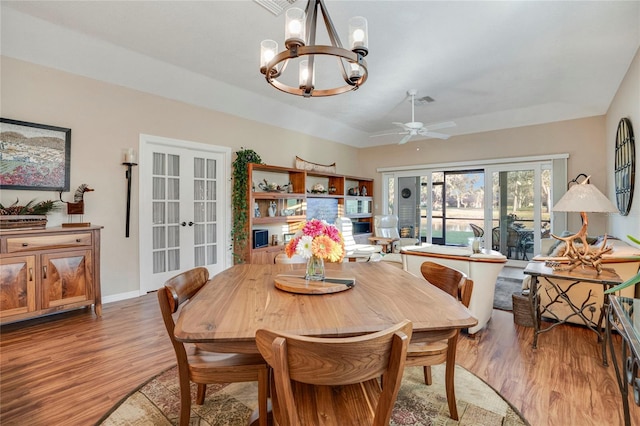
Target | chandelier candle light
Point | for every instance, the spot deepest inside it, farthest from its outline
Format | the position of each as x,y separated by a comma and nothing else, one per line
317,241
300,39
584,197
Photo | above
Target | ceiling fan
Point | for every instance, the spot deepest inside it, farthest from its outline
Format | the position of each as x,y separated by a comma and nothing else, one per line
415,128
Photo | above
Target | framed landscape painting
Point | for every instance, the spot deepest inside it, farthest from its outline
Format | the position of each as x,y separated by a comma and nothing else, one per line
34,156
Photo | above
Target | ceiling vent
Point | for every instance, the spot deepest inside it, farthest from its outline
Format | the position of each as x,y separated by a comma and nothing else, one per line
275,6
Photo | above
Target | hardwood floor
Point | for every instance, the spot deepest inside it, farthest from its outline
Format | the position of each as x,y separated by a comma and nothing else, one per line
71,369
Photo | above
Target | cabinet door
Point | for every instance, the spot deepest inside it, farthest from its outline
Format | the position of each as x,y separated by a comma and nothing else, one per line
66,278
17,285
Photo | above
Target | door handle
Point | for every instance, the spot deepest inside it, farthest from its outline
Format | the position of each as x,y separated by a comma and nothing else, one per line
190,223
185,223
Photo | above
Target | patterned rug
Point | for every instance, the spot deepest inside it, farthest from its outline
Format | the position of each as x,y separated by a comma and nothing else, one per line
157,403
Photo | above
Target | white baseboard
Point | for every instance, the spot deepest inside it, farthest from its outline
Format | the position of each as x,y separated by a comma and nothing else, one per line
120,296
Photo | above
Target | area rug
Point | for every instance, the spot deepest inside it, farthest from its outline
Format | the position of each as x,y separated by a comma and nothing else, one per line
157,403
505,287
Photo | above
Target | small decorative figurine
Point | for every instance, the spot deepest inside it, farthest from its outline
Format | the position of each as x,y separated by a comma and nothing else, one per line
256,210
76,208
363,192
272,209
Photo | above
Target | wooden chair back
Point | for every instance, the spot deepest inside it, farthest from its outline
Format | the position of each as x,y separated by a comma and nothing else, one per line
199,365
306,371
449,280
175,292
283,258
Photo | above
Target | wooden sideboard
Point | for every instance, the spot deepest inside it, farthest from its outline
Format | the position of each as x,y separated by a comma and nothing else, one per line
44,271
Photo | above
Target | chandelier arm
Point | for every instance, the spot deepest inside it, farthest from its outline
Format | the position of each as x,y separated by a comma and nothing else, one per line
331,30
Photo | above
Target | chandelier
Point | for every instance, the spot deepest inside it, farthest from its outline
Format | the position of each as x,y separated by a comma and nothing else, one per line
300,39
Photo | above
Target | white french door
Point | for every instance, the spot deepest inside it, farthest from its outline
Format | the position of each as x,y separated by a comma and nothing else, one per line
183,218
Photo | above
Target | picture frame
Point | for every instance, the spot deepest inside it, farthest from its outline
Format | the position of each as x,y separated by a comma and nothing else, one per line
287,237
34,156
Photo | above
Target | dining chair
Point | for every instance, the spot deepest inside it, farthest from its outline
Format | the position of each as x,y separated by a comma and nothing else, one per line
201,366
442,348
335,381
283,258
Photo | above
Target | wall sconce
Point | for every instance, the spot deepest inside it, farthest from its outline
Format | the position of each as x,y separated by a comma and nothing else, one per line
129,160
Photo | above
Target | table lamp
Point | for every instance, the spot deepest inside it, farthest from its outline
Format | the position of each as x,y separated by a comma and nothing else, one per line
584,197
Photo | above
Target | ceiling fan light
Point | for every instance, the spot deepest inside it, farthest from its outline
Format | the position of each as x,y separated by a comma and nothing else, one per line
358,35
268,49
294,27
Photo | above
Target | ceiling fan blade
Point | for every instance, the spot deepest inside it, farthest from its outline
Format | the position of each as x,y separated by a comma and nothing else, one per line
403,125
435,135
443,125
405,139
384,134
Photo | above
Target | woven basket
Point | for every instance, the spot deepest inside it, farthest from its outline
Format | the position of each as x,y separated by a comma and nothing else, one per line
522,310
23,221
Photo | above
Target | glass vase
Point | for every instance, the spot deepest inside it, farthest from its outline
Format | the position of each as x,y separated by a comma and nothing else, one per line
315,269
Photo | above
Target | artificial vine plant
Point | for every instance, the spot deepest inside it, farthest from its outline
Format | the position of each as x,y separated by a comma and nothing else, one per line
240,231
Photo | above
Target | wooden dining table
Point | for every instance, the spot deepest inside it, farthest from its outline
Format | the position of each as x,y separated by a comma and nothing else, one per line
234,304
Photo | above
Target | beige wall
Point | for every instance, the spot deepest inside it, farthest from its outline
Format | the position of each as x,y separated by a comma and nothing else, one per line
583,140
625,104
105,119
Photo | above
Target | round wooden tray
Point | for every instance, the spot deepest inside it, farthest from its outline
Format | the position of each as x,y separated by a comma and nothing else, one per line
295,283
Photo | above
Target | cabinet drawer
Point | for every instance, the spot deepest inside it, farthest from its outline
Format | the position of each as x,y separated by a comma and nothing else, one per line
20,244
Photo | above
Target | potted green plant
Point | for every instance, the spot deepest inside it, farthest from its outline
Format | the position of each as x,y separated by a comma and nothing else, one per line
30,215
239,230
631,281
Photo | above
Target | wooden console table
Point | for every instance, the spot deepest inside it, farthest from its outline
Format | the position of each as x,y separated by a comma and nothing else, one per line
624,317
44,271
583,309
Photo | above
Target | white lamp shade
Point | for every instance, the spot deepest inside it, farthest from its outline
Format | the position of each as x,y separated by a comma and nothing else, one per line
584,197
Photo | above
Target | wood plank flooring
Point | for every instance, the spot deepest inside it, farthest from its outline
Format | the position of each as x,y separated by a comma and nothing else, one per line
72,368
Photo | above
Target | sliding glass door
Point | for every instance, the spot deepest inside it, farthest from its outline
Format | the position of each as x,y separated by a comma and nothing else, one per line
507,202
518,213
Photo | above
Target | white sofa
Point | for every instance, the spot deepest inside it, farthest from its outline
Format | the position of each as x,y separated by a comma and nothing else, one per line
624,259
483,268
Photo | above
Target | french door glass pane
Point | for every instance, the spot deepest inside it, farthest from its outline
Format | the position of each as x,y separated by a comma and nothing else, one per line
173,165
173,189
173,260
158,213
158,164
159,262
198,168
198,212
159,238
173,212
173,236
158,192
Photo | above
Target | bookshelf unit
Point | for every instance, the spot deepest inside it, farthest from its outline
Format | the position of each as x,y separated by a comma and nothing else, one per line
281,199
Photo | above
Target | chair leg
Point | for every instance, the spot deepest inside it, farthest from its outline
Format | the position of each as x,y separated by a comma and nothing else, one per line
450,369
428,379
185,400
202,390
263,393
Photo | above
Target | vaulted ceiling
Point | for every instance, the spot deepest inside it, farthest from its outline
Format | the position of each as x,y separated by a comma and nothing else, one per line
487,65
